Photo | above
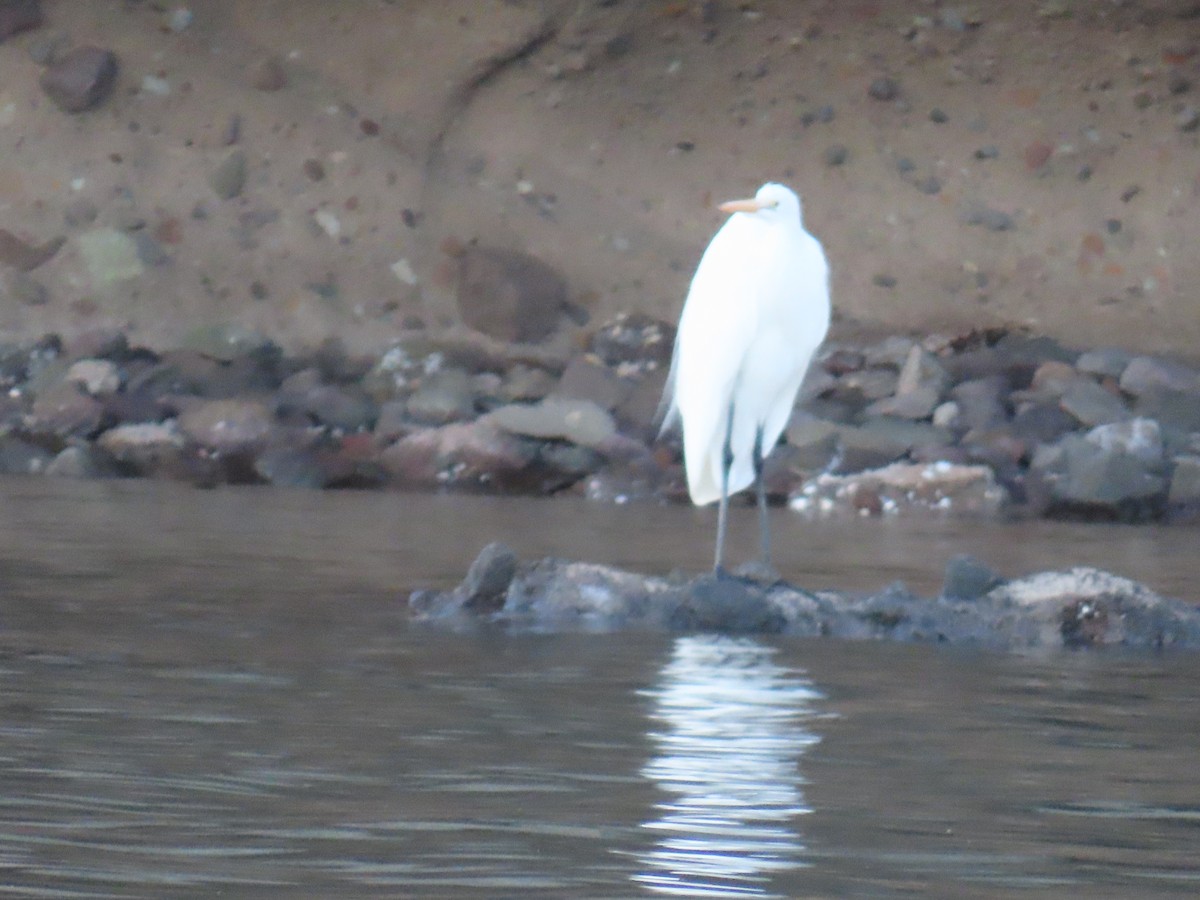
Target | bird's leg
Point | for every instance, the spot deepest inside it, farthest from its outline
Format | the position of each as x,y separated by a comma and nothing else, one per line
760,490
723,506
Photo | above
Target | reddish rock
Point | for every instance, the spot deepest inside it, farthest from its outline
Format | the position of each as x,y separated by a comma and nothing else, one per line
81,79
473,454
226,426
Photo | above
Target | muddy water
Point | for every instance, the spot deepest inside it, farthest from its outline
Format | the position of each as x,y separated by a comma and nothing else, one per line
217,693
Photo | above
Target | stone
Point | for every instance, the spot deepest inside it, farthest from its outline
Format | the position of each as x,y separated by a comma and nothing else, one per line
884,88
1139,438
509,295
445,396
17,16
1091,404
1174,409
967,578
1042,423
916,404
475,454
81,461
586,379
634,338
1103,362
1146,373
110,256
63,411
80,79
292,466
228,179
24,289
887,490
226,426
578,421
96,376
981,402
1185,482
487,580
148,448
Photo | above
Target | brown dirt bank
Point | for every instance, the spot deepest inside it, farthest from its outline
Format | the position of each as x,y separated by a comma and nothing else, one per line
1032,162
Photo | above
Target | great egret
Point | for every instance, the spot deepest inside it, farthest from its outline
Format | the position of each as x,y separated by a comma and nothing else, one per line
756,311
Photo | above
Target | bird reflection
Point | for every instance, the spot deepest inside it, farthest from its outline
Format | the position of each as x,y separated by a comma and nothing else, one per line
733,727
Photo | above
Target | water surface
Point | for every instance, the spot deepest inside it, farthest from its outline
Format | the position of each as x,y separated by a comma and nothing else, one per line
219,692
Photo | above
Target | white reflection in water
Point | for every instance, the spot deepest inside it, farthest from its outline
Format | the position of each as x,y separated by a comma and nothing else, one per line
733,728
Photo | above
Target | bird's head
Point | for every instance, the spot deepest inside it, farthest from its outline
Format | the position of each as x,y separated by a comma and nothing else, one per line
773,202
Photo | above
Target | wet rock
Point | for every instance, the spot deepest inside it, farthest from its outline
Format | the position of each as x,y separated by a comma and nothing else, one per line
445,396
293,465
578,421
991,219
1090,404
17,16
226,426
585,379
227,342
917,403
228,179
80,79
21,457
1177,410
96,376
23,256
967,578
82,461
1042,423
305,399
1076,608
509,295
488,578
64,411
1185,483
100,343
147,449
393,422
933,486
472,454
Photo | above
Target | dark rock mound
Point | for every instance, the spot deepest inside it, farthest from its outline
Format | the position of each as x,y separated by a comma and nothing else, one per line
1072,608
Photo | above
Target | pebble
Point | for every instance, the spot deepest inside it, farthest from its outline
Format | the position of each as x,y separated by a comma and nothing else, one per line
229,177
268,74
96,376
884,88
80,79
226,426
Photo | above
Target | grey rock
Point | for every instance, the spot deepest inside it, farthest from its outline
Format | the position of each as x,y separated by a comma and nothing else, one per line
346,409
17,16
146,448
226,426
24,289
24,256
1145,373
80,79
293,466
967,578
509,295
981,403
918,403
84,461
1139,438
269,74
1042,423
1091,404
1179,410
63,411
585,379
1105,362
1185,482
836,154
578,421
1078,608
96,376
991,219
20,457
228,179
446,396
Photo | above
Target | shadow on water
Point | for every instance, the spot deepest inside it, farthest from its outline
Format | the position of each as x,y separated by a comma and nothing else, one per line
220,694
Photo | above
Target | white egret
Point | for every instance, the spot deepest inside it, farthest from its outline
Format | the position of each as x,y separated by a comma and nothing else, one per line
756,311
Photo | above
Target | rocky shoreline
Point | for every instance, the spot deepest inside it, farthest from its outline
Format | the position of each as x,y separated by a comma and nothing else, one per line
1078,608
993,422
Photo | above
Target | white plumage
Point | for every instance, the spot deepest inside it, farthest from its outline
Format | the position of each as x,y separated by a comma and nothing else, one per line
756,312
